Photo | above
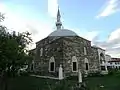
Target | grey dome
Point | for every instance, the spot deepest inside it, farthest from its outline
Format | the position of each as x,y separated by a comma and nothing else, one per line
63,32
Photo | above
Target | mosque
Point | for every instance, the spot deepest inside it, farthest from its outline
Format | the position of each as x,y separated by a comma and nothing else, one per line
65,48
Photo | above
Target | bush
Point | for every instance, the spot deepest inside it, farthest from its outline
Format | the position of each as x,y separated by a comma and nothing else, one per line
24,73
112,71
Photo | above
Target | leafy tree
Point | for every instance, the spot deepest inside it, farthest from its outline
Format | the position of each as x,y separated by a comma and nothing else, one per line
1,17
13,48
13,52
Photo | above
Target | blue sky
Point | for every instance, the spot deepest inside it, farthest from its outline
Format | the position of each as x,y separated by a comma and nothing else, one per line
96,20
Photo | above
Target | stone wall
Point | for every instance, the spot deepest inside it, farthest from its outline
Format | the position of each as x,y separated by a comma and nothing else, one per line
74,46
52,46
63,49
95,63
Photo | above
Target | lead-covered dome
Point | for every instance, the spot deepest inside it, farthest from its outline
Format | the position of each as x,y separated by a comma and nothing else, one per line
63,32
60,31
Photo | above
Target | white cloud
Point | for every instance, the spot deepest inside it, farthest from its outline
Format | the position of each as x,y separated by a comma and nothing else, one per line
89,35
13,21
52,7
41,29
114,35
112,44
112,6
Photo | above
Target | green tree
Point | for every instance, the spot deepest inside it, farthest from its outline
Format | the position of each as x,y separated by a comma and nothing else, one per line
13,49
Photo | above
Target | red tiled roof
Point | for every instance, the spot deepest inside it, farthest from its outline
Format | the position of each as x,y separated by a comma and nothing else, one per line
115,60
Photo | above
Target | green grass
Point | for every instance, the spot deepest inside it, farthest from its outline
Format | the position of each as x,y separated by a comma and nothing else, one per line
109,83
33,83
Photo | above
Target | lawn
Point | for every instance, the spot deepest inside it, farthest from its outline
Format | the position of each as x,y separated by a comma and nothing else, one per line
33,83
109,83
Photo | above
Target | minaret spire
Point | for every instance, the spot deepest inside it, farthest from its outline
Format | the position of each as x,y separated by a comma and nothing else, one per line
58,23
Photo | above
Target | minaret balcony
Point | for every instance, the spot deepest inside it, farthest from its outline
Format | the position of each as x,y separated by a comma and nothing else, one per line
59,23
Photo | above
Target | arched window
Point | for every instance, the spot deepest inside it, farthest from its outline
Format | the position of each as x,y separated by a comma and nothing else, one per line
52,65
86,64
85,51
74,64
41,51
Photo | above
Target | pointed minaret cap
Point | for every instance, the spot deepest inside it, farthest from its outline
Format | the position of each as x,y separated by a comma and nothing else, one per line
58,13
58,23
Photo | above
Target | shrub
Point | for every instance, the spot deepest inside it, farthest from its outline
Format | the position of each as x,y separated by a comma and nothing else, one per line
24,73
112,71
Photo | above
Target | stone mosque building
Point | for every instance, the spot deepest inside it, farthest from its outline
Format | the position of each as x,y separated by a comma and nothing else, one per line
65,48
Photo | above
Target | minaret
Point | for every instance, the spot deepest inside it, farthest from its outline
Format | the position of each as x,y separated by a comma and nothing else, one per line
58,23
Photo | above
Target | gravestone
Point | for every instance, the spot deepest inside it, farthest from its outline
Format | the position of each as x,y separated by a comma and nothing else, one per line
79,77
60,72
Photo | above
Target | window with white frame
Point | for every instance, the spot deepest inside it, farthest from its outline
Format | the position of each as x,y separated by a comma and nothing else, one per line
74,64
85,51
52,65
41,51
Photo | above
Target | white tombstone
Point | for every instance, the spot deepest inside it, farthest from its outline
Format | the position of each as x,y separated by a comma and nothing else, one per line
79,77
60,72
106,68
